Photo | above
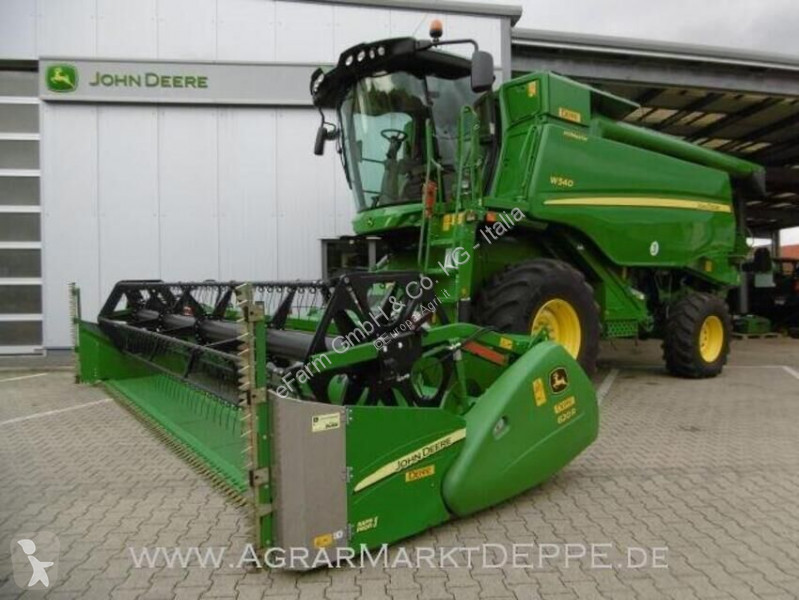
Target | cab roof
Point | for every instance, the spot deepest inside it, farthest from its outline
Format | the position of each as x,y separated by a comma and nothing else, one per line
395,54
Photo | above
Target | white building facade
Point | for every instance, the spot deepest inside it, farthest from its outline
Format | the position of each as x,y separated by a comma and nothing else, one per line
172,139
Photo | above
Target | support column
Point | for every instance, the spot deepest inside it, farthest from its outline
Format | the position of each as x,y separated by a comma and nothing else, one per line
743,287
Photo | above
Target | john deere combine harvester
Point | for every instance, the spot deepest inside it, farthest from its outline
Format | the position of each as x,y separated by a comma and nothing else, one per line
534,206
362,410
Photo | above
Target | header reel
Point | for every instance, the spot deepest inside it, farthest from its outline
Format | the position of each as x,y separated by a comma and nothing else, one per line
193,330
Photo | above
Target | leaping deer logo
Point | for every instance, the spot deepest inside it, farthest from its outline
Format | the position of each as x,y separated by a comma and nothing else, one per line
62,78
558,380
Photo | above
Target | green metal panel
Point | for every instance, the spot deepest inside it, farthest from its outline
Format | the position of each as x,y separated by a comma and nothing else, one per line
666,144
639,207
568,166
207,427
567,100
514,162
616,298
397,505
516,438
99,360
391,217
522,100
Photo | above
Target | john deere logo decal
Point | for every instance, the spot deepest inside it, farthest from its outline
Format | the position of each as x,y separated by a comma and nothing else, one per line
62,78
558,380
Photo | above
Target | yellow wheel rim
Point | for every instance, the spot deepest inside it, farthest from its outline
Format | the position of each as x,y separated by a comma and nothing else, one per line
562,324
711,339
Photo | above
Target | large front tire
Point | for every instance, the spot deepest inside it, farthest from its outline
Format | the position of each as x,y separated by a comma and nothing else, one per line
697,339
544,293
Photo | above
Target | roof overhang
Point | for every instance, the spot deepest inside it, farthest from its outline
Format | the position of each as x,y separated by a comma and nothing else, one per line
742,103
654,49
479,9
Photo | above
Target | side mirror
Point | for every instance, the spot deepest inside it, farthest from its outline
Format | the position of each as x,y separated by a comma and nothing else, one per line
322,135
482,71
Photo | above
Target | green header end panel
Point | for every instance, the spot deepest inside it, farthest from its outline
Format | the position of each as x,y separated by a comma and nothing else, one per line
538,416
640,207
396,459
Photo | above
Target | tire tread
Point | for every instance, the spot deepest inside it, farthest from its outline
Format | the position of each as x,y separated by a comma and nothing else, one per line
500,303
680,350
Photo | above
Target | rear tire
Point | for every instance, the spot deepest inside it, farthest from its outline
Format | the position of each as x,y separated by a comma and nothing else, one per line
544,292
697,339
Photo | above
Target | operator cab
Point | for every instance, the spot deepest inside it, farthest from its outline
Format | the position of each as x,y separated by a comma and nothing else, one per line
385,93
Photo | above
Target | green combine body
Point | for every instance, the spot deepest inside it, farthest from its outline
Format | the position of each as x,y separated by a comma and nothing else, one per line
474,189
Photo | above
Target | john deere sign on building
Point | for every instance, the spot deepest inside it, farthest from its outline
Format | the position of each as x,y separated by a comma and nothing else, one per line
150,80
79,80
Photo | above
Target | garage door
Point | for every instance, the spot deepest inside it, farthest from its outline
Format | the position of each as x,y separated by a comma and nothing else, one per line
20,212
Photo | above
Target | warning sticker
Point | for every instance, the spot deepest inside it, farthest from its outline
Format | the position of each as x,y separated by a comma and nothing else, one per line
421,473
323,541
539,393
366,524
325,422
564,405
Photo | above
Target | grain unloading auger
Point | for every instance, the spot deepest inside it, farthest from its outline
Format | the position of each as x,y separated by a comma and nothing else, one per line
349,413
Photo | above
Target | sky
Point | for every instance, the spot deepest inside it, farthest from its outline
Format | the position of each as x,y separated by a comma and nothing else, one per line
762,25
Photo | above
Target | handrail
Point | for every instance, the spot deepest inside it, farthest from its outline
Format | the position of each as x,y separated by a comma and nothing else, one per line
468,174
430,166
